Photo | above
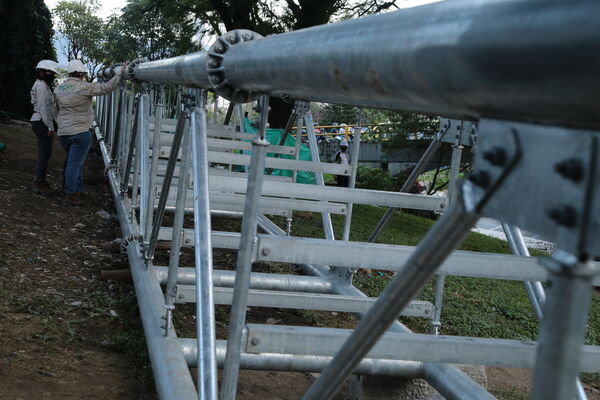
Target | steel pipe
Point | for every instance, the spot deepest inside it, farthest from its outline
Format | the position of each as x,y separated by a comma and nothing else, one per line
189,70
288,362
205,316
261,281
245,258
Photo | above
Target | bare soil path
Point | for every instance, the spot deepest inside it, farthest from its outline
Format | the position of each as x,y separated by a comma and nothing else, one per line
64,334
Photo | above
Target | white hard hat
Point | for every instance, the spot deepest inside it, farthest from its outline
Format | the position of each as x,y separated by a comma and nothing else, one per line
75,66
48,65
344,143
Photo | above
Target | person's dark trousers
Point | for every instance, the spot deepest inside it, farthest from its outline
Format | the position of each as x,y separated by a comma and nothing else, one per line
77,147
343,180
44,149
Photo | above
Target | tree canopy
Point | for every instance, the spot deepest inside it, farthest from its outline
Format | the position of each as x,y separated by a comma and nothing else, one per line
26,29
81,32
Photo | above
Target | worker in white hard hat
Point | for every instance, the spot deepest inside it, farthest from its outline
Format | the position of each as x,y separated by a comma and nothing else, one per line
42,120
74,101
342,157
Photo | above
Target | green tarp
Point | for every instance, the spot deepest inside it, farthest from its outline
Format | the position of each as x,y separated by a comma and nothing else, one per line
273,137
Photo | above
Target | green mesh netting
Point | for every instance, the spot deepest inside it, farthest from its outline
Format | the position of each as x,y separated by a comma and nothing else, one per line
273,137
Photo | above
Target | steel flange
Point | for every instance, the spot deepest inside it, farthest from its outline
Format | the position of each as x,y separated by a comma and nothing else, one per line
216,73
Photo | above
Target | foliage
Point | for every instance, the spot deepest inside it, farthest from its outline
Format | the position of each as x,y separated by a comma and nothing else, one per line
26,30
150,29
81,32
376,179
391,127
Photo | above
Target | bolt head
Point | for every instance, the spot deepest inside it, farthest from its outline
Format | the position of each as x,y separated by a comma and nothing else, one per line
570,169
255,341
481,179
496,156
219,49
564,215
266,251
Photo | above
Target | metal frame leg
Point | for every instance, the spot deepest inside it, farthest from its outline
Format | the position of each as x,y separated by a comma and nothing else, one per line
245,258
563,329
176,238
205,316
440,280
166,185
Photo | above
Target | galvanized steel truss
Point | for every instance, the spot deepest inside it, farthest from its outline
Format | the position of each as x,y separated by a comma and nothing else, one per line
157,165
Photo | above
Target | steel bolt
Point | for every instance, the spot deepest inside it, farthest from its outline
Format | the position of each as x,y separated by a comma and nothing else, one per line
219,49
481,178
496,156
570,169
266,251
255,341
213,64
216,79
246,36
563,215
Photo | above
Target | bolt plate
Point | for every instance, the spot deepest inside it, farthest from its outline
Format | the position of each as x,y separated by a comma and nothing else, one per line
458,132
534,193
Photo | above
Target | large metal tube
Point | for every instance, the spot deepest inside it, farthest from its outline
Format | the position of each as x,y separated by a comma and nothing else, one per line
188,70
289,362
468,59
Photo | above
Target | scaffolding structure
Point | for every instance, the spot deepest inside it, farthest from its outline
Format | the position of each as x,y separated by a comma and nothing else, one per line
532,121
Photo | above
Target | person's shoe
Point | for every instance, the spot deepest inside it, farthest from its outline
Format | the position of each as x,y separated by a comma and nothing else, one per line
73,198
43,188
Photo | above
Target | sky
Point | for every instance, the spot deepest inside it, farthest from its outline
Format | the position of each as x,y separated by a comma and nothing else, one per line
107,7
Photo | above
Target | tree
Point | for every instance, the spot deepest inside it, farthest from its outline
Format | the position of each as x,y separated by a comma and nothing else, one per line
81,32
26,29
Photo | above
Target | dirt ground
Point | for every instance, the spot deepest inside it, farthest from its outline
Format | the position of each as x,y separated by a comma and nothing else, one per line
67,334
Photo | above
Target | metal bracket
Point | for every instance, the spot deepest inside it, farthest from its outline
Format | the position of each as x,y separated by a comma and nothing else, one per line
216,73
458,132
129,74
542,179
301,107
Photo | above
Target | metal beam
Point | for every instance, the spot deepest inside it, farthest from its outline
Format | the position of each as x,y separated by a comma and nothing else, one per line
304,340
289,362
304,301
